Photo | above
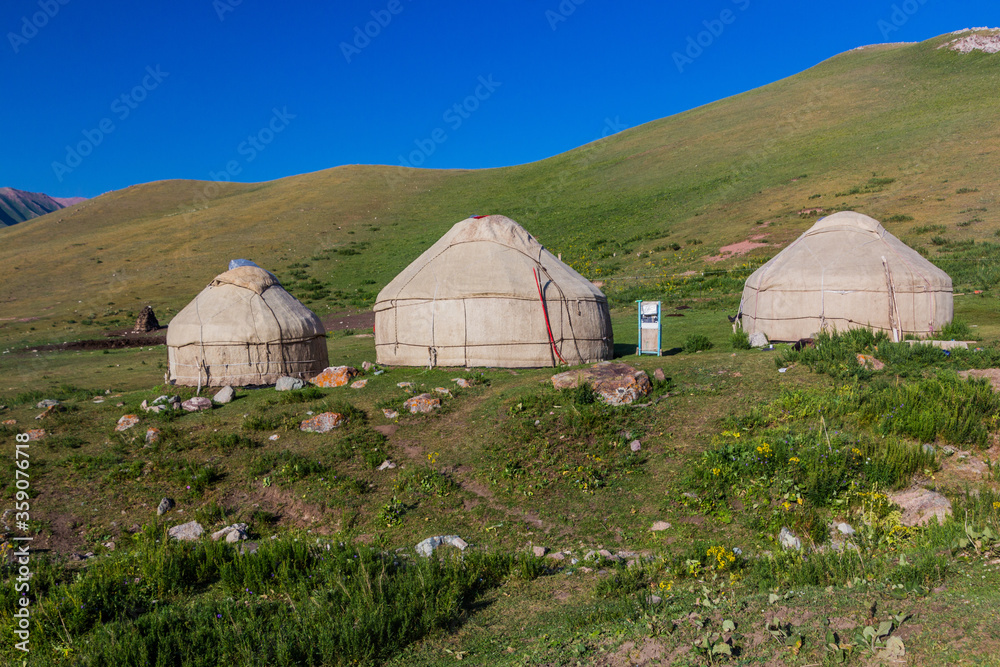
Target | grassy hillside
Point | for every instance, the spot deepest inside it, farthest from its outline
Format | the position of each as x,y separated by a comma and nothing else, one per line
907,134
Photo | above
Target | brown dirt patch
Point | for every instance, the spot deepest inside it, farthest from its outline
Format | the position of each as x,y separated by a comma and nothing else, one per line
648,652
110,343
735,250
363,321
991,374
287,507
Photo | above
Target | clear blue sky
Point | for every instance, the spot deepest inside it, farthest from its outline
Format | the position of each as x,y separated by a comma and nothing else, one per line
254,90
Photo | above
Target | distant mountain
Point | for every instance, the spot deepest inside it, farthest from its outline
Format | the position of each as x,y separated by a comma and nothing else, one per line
17,205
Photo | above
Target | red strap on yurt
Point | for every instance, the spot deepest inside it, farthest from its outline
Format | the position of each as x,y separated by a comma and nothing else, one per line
545,311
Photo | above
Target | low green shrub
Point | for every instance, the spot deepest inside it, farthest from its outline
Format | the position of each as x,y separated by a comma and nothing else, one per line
697,343
740,340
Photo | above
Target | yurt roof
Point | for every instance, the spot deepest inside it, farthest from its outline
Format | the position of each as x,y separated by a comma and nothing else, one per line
243,305
486,256
848,251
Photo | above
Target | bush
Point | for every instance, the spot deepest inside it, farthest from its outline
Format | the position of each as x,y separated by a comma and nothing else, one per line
945,406
740,339
955,330
697,343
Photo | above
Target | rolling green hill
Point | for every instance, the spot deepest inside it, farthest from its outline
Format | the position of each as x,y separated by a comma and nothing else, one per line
906,133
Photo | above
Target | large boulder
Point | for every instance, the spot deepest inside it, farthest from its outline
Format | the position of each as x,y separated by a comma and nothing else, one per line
287,383
422,403
335,376
197,404
225,395
758,340
186,532
126,422
920,505
322,423
615,383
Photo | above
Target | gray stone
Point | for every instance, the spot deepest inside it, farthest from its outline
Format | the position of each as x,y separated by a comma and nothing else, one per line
427,547
921,505
166,504
164,400
247,548
604,553
366,366
614,383
788,540
660,525
456,541
538,552
654,600
47,403
758,339
635,446
387,465
844,528
226,395
186,532
233,533
557,556
658,375
286,383
197,404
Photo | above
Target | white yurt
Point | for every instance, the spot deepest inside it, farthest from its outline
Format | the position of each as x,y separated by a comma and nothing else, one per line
244,329
846,272
488,294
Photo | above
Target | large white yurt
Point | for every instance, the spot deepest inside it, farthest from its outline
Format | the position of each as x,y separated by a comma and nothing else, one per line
846,272
244,329
488,294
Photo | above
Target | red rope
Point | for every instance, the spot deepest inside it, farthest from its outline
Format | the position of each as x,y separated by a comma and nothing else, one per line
545,312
